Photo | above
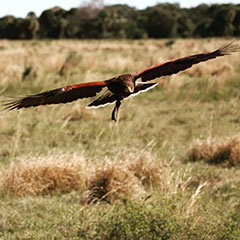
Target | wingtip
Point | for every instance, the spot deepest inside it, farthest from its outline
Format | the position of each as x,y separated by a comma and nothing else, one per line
229,48
11,104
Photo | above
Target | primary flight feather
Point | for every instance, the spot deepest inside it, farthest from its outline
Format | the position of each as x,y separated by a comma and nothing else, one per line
118,87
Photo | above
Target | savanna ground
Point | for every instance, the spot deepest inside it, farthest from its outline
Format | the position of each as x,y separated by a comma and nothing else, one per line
170,170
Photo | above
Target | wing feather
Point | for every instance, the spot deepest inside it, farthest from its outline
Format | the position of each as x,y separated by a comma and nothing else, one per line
56,96
180,64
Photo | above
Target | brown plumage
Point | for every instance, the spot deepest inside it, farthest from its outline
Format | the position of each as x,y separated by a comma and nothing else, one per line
119,87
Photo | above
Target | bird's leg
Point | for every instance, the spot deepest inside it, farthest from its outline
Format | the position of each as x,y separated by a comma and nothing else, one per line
115,110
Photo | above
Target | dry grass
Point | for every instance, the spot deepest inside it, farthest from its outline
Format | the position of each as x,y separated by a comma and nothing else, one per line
217,151
44,176
113,183
147,170
55,174
153,175
128,176
77,113
68,57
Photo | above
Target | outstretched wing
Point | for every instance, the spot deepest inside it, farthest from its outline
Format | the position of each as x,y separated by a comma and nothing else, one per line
59,95
180,64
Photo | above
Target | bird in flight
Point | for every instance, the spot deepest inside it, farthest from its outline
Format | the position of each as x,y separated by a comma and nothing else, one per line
119,87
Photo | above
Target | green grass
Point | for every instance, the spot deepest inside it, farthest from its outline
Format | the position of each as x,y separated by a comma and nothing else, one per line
152,188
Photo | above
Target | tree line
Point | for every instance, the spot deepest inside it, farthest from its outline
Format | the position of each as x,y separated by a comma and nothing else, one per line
123,21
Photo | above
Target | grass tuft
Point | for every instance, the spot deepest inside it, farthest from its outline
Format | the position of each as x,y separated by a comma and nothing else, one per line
147,170
40,176
215,151
113,183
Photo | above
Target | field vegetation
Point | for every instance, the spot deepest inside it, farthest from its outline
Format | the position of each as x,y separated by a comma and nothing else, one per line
170,169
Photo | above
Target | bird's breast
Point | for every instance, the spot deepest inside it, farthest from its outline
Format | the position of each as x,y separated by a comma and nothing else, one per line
121,90
122,86
117,88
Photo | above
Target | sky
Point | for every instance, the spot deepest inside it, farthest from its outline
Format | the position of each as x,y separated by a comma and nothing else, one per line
20,8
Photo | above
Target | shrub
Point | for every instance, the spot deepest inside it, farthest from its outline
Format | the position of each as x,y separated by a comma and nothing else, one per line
136,221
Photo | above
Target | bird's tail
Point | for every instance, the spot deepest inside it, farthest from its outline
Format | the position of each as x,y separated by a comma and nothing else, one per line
142,87
106,98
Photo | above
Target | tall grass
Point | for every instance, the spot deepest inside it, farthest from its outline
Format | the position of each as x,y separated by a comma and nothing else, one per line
169,171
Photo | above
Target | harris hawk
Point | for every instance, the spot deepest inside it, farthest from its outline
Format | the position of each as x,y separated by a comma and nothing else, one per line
118,87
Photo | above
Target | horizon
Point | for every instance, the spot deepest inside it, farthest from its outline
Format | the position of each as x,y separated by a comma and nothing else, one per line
21,9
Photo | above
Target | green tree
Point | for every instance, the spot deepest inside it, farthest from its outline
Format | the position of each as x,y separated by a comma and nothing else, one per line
53,23
120,21
14,28
223,17
185,25
87,21
161,20
236,22
202,29
6,26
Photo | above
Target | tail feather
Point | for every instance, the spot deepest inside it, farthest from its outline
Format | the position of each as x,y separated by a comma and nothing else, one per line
103,100
142,87
108,97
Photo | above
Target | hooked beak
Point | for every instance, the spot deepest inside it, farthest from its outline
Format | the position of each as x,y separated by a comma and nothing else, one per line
130,89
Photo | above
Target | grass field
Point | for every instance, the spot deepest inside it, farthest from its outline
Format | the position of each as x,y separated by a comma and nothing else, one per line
170,170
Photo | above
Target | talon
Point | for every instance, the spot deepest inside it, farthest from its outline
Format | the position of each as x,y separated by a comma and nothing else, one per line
115,110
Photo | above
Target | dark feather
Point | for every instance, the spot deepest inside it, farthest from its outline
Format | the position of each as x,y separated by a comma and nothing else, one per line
106,98
56,96
180,64
143,87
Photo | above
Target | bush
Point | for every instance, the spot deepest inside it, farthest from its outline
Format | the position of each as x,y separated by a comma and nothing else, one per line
136,221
